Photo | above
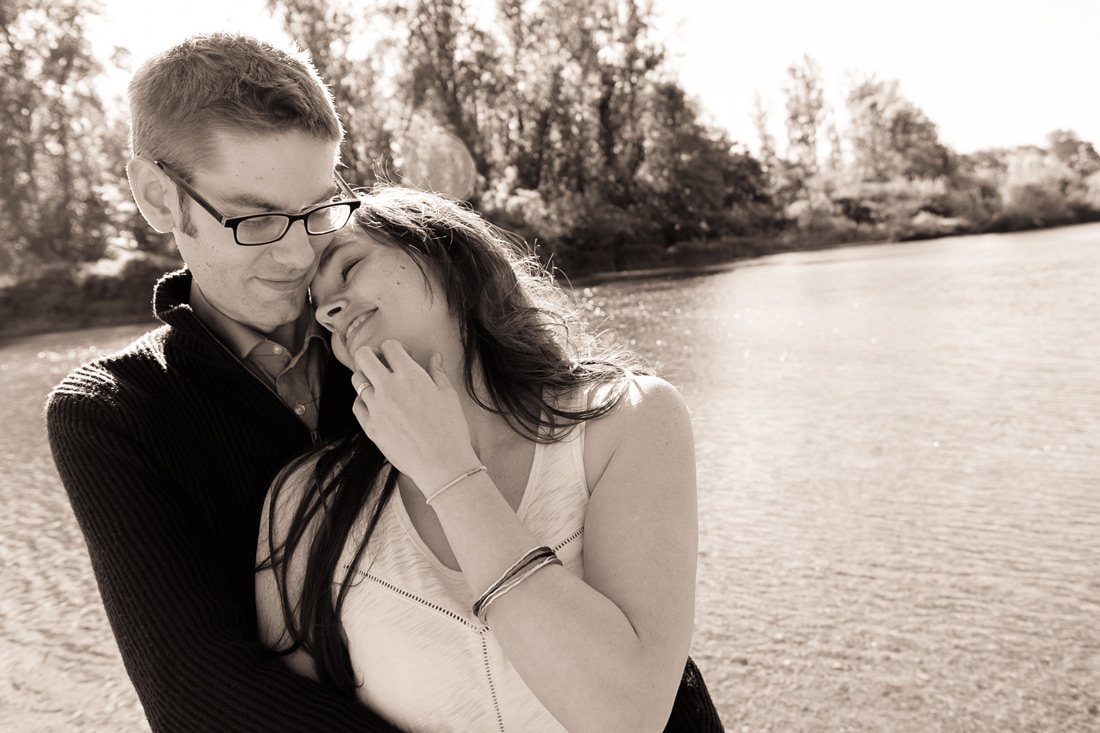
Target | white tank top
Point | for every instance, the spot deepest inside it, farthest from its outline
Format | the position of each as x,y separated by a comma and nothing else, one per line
425,662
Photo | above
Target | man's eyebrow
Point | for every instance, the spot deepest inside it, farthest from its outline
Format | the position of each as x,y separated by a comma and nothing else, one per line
248,201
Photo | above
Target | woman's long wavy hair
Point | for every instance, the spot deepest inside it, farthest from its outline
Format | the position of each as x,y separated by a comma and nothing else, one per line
524,348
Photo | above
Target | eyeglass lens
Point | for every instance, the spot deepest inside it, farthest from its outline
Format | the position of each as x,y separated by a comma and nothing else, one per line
328,219
262,229
267,229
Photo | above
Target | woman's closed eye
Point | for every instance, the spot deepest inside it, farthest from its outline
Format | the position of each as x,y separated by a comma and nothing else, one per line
346,269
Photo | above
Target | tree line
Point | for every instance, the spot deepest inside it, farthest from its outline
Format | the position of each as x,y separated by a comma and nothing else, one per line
577,136
888,176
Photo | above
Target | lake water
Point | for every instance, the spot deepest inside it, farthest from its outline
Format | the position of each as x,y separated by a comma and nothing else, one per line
899,492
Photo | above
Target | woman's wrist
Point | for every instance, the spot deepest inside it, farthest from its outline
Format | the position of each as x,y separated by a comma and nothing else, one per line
435,477
430,497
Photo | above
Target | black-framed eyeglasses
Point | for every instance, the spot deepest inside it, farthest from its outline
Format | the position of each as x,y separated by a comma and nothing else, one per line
256,229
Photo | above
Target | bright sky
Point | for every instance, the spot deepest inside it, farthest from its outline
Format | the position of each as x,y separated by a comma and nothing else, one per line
988,72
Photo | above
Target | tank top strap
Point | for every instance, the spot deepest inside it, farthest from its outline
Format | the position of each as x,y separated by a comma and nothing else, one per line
557,495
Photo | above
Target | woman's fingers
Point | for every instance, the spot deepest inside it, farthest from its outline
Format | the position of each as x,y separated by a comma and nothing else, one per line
438,374
370,365
390,358
397,356
411,413
360,384
362,414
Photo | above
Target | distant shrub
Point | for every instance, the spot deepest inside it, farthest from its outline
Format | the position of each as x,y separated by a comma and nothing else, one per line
855,210
1092,191
925,225
63,296
578,233
1035,205
1039,189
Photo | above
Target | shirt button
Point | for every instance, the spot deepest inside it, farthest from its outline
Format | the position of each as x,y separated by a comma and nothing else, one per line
300,409
278,349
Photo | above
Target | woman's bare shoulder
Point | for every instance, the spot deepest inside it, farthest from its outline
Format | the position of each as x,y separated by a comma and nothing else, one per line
650,408
646,400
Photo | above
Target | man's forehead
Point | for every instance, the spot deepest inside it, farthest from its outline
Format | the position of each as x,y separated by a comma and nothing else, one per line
282,193
274,173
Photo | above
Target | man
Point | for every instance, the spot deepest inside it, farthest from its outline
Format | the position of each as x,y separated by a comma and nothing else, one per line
167,448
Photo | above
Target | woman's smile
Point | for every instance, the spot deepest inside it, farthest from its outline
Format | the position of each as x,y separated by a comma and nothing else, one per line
356,323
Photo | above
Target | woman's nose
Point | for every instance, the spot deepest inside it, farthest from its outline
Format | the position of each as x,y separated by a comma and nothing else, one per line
327,313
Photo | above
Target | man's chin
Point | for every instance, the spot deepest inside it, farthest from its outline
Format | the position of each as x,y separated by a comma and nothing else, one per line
278,314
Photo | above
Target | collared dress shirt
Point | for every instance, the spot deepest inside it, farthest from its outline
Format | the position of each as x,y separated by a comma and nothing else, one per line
295,377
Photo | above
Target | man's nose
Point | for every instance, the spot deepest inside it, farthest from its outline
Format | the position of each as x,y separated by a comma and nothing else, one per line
295,250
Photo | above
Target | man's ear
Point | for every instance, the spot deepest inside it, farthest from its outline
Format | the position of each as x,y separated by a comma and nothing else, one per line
154,193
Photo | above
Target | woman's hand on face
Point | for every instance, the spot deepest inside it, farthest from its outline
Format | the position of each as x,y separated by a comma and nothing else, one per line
414,416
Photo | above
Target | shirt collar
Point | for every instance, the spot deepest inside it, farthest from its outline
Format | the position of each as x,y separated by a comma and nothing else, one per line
241,339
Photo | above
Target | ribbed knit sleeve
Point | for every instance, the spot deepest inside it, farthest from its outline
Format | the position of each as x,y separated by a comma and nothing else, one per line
159,498
693,711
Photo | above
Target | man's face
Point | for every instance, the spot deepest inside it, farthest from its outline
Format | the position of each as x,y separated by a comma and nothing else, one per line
263,287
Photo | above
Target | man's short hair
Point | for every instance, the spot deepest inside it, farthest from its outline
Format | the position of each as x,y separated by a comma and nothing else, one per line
224,82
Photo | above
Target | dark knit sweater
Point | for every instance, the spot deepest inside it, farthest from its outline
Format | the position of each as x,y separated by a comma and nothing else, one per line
167,450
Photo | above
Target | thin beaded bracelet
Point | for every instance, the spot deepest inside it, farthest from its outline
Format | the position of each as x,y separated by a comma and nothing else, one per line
449,484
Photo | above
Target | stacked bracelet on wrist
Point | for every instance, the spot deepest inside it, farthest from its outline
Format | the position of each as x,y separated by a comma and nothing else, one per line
533,561
449,484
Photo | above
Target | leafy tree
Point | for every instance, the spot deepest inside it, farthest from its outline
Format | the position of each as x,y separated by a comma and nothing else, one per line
1079,155
1037,189
574,79
805,101
329,31
891,137
626,59
549,95
59,150
835,161
916,145
694,183
768,155
449,67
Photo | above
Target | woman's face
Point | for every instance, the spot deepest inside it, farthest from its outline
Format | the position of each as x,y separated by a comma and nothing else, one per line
367,291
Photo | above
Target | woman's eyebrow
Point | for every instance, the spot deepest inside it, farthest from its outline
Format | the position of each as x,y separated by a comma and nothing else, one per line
328,254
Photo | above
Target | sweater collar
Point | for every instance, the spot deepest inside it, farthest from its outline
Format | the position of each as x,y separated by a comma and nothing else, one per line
172,300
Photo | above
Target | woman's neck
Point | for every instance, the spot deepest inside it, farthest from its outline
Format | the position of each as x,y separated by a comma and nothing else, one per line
489,431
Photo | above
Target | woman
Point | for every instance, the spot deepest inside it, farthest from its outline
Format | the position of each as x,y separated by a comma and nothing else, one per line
510,541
